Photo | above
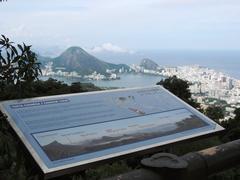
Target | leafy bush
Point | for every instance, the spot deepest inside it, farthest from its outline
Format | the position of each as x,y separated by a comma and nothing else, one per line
179,88
18,64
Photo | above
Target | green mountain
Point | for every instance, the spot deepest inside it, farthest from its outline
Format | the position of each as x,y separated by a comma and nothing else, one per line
77,59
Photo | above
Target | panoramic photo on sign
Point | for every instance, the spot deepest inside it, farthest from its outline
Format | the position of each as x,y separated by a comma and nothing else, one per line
73,130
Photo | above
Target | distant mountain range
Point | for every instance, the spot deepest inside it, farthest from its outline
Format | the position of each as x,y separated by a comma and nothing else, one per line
77,59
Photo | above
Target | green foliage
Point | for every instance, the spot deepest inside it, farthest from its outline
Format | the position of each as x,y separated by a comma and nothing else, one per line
215,113
237,114
101,172
197,145
216,101
14,163
232,174
232,127
44,88
18,64
179,88
107,170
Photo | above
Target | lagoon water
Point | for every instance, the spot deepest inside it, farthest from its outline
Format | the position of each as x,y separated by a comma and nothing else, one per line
125,81
130,80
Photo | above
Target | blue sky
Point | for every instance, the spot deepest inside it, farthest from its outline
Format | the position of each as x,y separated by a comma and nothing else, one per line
123,25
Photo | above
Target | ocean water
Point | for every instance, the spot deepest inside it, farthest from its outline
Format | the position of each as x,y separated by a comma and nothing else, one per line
125,81
226,61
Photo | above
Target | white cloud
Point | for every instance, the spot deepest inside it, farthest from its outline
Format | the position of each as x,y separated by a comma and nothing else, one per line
17,31
109,47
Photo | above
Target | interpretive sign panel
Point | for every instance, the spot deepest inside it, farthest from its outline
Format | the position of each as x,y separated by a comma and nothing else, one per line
67,131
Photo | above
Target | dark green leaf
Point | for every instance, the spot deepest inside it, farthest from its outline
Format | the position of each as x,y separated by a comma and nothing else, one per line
4,37
15,59
8,58
15,50
20,47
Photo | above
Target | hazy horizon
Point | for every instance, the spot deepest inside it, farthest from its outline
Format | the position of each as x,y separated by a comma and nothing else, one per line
170,32
124,26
